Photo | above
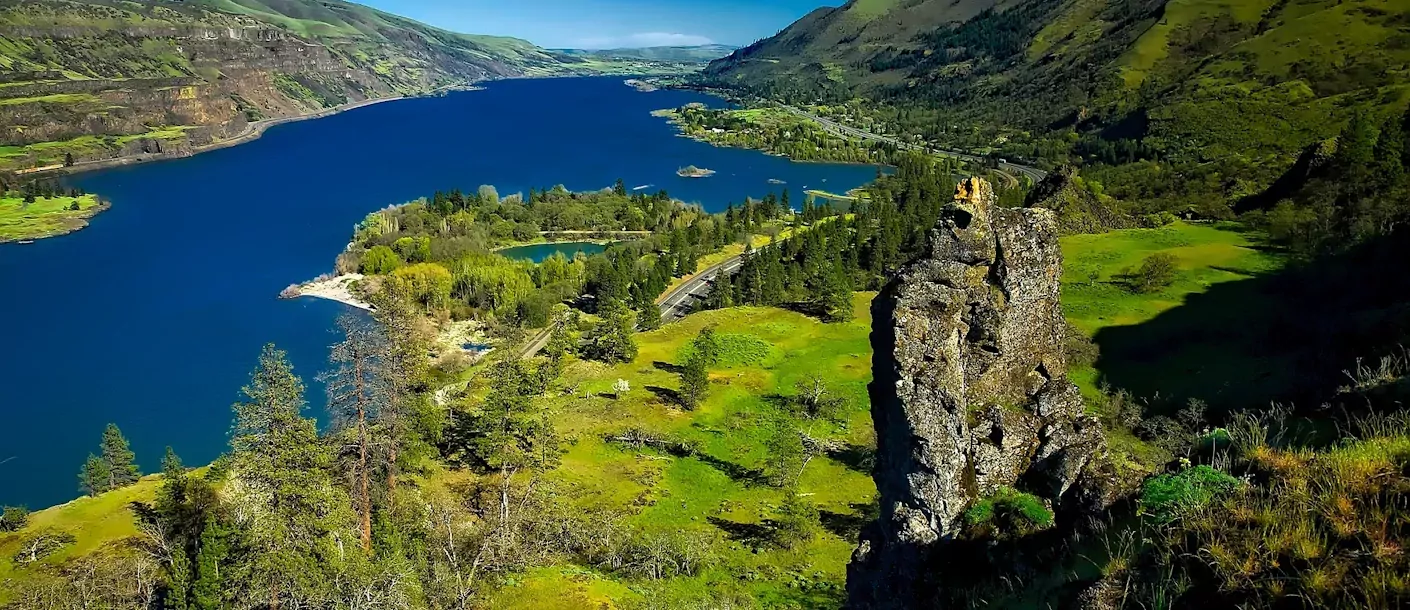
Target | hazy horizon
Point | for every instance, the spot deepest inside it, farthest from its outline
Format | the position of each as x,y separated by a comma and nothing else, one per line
610,24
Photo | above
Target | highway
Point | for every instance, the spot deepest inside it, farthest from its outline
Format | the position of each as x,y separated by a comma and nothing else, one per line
675,304
848,131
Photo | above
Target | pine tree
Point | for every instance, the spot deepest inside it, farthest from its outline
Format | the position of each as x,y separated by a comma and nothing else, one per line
116,452
511,434
359,392
95,477
695,381
648,316
208,587
1356,150
1389,153
283,468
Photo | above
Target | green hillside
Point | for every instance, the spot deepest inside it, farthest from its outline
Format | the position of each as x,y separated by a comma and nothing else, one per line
1225,92
690,55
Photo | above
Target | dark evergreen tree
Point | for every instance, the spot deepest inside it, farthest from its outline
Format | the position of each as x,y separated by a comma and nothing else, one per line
122,470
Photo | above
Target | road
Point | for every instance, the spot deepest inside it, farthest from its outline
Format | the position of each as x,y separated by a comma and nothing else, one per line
678,302
675,304
848,131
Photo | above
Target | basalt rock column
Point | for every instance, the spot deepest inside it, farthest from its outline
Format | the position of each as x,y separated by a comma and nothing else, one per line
970,392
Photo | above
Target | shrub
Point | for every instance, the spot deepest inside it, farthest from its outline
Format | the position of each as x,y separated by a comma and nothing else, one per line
1009,513
1156,272
380,260
1167,497
14,518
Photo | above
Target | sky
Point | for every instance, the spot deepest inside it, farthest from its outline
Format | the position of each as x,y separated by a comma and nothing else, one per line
605,24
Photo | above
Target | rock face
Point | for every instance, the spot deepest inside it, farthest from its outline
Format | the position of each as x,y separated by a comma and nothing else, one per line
970,392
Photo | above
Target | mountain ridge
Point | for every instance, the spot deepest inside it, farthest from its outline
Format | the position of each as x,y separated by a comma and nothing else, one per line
1238,87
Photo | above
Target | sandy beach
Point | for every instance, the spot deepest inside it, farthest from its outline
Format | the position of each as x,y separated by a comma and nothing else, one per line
337,288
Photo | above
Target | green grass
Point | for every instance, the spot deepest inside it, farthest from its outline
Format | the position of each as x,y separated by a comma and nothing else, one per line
1097,301
56,98
664,492
46,217
94,522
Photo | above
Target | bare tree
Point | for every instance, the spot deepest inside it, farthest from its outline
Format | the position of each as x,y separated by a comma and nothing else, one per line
360,390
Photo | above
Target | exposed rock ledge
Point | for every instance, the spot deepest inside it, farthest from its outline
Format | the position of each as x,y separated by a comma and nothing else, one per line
970,391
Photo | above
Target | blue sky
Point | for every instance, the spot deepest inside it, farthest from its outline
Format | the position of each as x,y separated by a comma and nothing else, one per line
600,24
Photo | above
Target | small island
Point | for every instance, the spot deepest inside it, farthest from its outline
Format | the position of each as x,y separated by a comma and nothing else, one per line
691,171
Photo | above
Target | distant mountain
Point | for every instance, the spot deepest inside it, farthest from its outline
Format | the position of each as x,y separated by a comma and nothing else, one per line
1245,83
108,78
696,54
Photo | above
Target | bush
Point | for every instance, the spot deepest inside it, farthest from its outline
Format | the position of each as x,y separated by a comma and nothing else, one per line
1167,497
14,518
1156,272
1009,513
380,260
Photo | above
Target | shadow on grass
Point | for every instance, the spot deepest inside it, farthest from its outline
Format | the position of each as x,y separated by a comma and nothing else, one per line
858,458
742,474
668,367
666,394
1284,336
848,526
755,535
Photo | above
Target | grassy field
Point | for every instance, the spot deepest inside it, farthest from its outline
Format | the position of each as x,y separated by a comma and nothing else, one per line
716,493
46,217
1137,353
94,522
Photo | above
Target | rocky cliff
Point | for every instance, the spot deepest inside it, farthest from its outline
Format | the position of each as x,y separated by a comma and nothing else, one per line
970,395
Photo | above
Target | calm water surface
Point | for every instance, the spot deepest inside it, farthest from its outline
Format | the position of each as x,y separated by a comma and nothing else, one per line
539,252
153,316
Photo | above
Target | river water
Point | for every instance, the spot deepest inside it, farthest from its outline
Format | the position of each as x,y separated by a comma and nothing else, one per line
153,316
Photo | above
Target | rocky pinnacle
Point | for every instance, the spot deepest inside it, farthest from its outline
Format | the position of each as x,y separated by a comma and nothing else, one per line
970,390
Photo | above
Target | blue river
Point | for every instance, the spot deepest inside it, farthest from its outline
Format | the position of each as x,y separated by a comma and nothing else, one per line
153,316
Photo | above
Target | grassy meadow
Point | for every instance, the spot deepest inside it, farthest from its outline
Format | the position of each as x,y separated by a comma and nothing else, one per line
46,217
1147,345
718,493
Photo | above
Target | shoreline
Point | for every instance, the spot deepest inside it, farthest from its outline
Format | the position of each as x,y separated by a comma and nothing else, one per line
336,288
253,131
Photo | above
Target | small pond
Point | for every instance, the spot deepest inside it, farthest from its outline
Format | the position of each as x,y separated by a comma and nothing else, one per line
539,252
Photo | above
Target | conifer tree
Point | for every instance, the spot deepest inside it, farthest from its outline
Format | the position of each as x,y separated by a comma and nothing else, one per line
122,471
208,586
359,392
288,501
95,476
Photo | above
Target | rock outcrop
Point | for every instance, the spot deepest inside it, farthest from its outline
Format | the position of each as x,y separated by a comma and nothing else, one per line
1077,209
970,392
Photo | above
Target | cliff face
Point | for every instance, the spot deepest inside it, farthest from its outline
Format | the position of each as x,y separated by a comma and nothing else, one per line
970,392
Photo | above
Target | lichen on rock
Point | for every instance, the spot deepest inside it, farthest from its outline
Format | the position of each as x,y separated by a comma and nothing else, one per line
970,390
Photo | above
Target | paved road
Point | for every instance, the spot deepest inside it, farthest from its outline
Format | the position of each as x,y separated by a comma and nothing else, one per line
847,130
675,304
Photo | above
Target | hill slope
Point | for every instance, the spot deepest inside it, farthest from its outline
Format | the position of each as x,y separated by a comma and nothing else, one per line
1244,83
696,54
103,78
